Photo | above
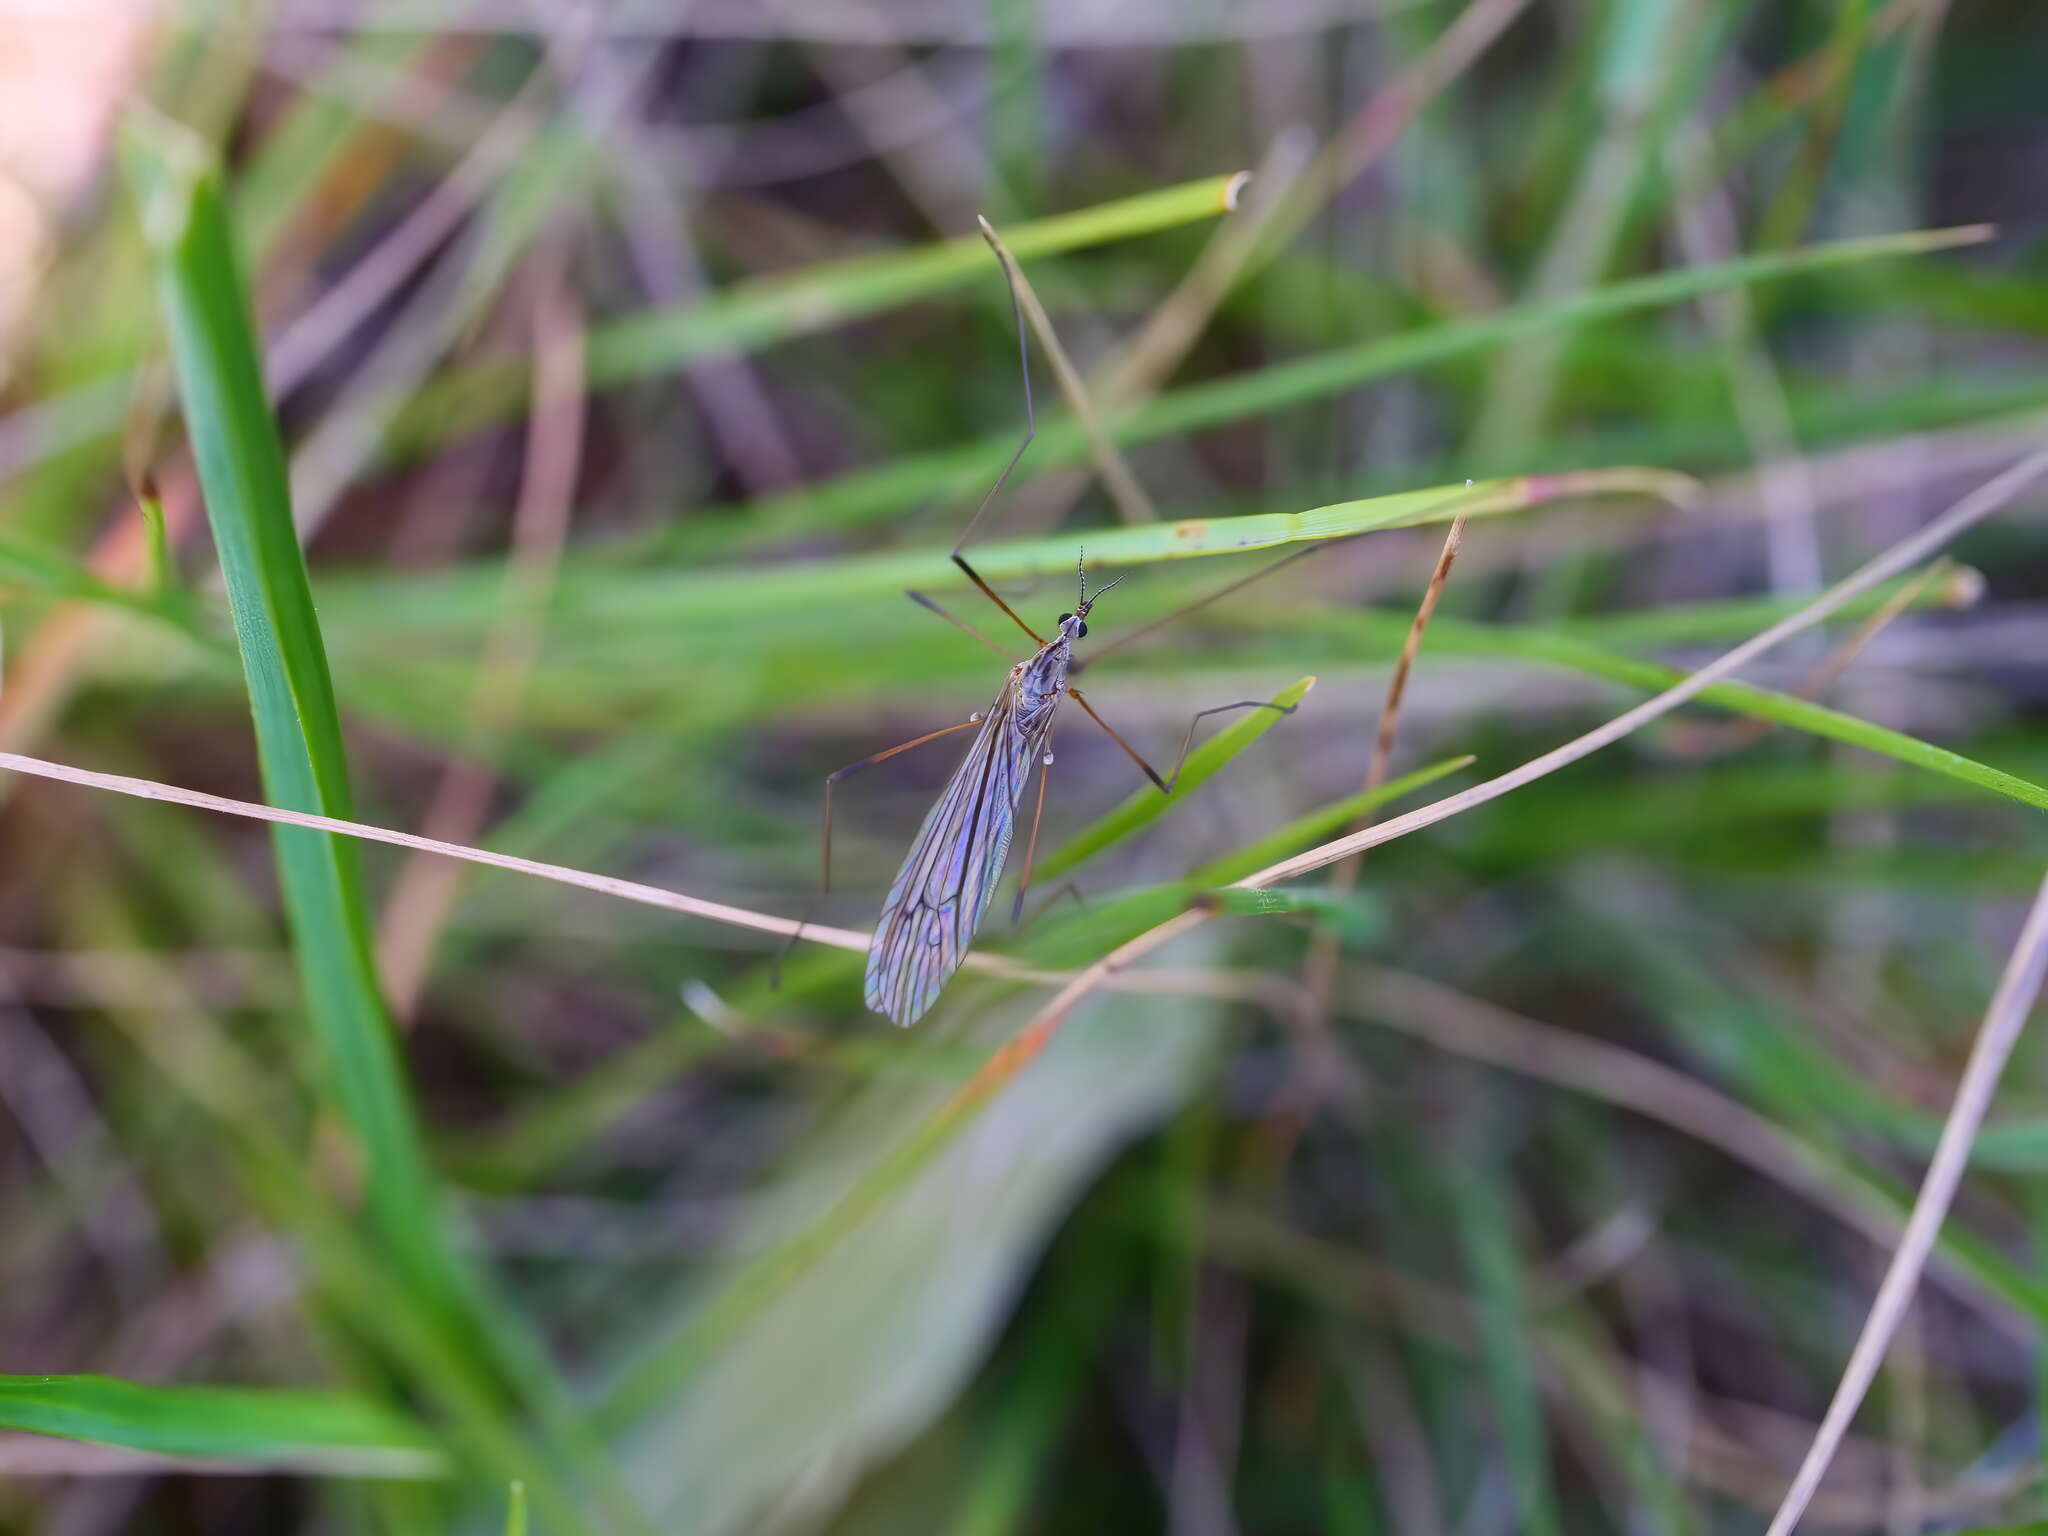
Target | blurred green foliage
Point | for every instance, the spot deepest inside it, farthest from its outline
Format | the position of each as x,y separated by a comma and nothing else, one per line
1557,1214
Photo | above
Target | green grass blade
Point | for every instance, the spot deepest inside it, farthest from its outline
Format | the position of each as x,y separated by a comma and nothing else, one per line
1738,698
628,597
754,314
298,734
1344,910
1147,805
1816,720
52,573
1324,820
1485,1222
308,1431
864,496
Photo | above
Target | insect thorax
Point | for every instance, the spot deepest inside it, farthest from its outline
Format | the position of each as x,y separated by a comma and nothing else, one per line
1043,678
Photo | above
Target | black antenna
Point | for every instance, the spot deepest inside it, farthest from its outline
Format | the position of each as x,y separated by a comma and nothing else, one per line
1091,602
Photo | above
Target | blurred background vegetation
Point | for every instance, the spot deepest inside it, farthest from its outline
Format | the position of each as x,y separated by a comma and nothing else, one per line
629,360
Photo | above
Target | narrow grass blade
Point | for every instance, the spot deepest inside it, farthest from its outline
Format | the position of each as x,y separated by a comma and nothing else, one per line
624,596
753,314
326,1432
865,496
1147,805
298,734
1324,819
34,568
1739,698
1076,938
1485,1222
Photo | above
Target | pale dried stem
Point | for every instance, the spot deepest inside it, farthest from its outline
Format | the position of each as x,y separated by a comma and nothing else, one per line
1316,1064
2019,989
1132,504
625,890
1735,734
1320,970
1135,371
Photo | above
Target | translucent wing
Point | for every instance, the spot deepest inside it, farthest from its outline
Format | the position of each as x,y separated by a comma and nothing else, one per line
952,869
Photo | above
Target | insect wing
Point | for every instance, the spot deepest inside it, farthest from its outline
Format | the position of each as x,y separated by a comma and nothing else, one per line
951,871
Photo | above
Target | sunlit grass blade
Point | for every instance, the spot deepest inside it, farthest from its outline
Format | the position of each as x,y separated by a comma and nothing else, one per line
241,471
322,1432
864,496
298,734
754,314
707,594
1956,587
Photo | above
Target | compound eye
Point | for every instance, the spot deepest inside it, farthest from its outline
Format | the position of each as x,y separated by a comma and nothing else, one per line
1082,632
1064,617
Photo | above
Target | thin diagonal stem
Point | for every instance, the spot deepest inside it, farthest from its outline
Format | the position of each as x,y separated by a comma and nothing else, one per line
2018,991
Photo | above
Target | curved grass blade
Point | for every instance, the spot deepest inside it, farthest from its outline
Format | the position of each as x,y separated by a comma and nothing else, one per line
1147,805
298,734
318,1432
241,467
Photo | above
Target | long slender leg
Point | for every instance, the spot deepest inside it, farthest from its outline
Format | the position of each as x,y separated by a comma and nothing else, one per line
958,623
1165,785
1030,432
1071,888
1188,741
825,847
1031,847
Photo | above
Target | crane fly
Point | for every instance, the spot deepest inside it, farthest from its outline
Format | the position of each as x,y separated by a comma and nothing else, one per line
950,874
948,878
